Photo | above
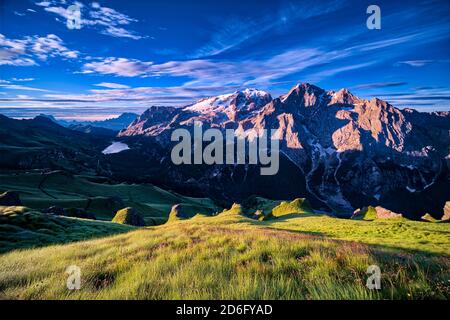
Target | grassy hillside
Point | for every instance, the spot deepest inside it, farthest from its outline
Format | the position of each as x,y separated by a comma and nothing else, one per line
233,257
22,228
40,191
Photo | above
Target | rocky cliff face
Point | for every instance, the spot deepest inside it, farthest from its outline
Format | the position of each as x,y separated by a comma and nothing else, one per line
338,150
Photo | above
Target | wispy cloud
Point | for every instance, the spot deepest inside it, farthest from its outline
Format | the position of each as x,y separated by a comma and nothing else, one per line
437,98
236,30
415,63
121,33
112,85
22,79
118,66
377,85
21,88
211,72
178,95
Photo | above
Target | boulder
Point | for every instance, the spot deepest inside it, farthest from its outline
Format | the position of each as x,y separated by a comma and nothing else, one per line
262,216
356,213
177,213
428,218
296,206
236,209
446,216
383,213
10,198
129,216
372,213
366,213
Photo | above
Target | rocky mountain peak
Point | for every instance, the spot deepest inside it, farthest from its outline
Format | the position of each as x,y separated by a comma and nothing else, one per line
247,99
153,121
343,96
306,95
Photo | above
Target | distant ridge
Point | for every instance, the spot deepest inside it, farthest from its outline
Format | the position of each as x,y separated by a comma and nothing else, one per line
116,124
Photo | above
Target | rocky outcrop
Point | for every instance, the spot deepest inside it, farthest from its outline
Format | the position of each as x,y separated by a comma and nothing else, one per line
178,213
129,216
383,213
446,216
372,213
428,218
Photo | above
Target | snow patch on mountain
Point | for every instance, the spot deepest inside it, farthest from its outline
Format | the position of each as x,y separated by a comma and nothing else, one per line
239,99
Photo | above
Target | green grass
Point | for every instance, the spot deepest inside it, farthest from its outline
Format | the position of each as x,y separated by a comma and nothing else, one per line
39,191
296,206
230,256
128,216
369,213
396,233
22,228
293,254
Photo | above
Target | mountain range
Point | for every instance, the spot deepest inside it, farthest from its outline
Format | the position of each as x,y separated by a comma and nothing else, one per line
114,124
339,151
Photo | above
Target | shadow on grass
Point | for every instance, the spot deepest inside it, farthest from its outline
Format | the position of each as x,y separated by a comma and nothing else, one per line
380,248
34,230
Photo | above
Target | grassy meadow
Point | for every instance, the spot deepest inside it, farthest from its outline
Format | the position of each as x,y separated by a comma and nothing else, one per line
40,191
229,256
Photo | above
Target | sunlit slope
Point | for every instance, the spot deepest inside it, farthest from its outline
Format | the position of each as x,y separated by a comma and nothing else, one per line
233,257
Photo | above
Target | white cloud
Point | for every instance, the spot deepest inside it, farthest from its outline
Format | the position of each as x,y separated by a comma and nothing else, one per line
21,88
121,33
43,3
112,85
22,52
118,66
22,79
416,63
109,21
12,52
218,73
51,46
108,16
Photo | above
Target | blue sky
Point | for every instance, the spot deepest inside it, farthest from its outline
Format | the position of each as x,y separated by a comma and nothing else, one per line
129,55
